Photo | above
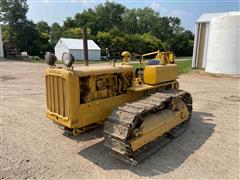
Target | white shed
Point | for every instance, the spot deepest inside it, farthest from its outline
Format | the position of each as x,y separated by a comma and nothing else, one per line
75,47
1,43
216,43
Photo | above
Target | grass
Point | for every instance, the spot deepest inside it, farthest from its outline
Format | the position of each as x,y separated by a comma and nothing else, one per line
184,66
184,57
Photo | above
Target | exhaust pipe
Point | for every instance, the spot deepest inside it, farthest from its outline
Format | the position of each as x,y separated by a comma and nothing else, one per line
85,45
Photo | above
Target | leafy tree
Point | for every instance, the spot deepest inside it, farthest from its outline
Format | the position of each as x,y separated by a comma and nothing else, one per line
147,19
111,25
5,32
44,37
151,43
73,33
25,33
139,43
13,13
182,44
109,15
28,39
112,39
130,21
44,44
42,26
69,23
56,33
104,39
142,43
87,18
175,24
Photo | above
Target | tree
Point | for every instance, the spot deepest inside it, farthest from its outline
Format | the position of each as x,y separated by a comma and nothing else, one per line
43,42
182,44
175,24
29,39
20,30
147,19
130,21
111,25
73,33
104,39
5,32
87,18
13,13
56,33
42,26
164,30
142,43
69,23
109,15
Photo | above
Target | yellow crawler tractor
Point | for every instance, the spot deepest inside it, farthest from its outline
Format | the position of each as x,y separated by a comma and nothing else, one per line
141,107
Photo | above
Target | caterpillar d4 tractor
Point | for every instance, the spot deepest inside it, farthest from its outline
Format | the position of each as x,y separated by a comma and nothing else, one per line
140,107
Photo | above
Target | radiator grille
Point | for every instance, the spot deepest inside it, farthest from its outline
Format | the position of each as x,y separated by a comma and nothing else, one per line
57,99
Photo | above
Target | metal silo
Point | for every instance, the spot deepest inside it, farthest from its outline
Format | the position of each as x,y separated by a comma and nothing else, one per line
224,44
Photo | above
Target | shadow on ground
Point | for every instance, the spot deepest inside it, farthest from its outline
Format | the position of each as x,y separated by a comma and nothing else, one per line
86,136
166,159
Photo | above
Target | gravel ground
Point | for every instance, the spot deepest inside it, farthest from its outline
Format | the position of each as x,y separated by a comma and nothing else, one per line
34,147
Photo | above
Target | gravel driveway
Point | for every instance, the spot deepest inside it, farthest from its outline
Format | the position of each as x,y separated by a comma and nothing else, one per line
34,147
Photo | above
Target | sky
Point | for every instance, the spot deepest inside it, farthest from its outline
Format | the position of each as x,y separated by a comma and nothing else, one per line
187,10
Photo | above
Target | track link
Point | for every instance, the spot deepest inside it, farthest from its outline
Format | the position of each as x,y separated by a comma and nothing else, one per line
125,119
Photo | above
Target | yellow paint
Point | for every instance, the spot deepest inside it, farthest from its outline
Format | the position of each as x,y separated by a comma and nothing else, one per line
62,90
103,92
145,87
159,123
166,57
156,74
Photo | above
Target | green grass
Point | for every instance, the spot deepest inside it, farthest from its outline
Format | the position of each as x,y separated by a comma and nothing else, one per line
136,65
184,66
184,57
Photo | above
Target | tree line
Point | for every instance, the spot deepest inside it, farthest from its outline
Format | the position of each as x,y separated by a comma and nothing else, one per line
110,25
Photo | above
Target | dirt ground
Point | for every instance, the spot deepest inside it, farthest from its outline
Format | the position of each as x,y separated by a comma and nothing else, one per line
34,147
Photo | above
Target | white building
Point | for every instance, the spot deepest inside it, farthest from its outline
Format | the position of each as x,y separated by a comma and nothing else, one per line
216,43
1,43
75,47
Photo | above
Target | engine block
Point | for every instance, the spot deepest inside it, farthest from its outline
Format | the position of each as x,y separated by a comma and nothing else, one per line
103,86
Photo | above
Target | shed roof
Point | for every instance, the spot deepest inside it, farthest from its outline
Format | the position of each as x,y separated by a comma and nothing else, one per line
78,44
207,17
